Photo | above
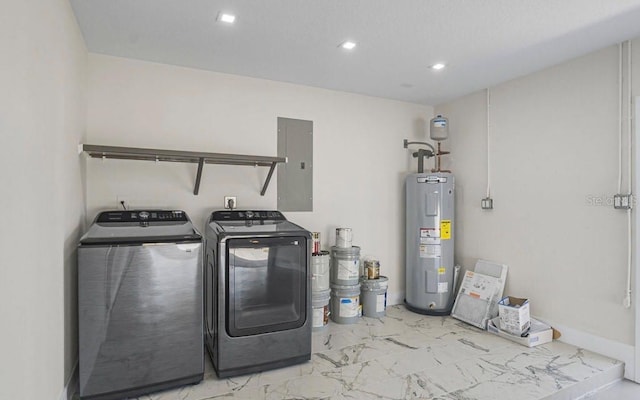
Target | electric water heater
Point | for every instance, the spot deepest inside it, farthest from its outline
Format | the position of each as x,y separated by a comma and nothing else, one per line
429,243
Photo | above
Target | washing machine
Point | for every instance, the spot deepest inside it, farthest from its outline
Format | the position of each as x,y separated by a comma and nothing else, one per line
257,292
140,304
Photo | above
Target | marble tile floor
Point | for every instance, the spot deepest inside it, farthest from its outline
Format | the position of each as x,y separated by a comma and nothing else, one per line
411,356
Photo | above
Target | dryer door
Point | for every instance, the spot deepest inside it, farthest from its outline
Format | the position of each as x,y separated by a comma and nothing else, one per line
266,284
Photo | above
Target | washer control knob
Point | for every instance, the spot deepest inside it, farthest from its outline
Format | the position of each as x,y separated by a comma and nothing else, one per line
249,214
143,215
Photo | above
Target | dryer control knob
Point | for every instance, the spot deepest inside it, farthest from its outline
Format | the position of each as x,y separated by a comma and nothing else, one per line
249,214
143,215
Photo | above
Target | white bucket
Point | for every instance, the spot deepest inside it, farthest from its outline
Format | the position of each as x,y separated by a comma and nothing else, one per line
374,296
344,237
345,304
320,271
320,304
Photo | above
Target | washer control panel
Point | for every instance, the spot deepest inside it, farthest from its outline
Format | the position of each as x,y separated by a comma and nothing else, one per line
143,216
247,215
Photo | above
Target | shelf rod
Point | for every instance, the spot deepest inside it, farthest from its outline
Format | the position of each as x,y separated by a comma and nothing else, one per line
137,153
196,189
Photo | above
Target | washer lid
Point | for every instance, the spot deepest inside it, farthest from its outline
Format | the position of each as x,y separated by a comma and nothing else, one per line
137,226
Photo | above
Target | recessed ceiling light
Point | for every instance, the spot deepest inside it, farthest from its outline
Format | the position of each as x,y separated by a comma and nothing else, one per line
348,45
228,18
437,66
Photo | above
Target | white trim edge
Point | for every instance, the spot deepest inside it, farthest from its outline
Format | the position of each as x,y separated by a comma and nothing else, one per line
606,347
72,384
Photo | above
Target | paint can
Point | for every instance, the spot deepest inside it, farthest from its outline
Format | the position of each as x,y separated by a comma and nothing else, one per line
345,304
320,303
345,265
371,269
373,295
315,238
320,264
344,237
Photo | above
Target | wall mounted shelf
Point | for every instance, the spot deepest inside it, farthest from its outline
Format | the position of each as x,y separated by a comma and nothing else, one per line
193,157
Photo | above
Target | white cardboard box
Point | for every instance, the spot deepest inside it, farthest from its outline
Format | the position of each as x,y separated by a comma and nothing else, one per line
539,333
514,315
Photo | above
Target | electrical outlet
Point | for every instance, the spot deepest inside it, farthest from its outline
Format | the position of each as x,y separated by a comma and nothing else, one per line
230,202
622,201
487,203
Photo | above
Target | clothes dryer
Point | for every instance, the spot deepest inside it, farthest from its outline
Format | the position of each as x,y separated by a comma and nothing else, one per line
257,292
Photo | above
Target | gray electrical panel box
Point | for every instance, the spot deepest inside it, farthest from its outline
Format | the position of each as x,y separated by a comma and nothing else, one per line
429,258
295,178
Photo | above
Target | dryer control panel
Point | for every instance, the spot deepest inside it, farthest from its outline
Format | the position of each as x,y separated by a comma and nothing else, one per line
247,215
142,216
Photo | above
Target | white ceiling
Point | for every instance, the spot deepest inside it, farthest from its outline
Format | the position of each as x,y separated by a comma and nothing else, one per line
483,42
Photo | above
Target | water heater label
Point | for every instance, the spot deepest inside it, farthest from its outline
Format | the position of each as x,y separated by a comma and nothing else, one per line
430,232
443,287
430,250
432,179
445,229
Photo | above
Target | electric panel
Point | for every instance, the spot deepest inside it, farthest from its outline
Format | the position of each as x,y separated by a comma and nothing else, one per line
295,178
